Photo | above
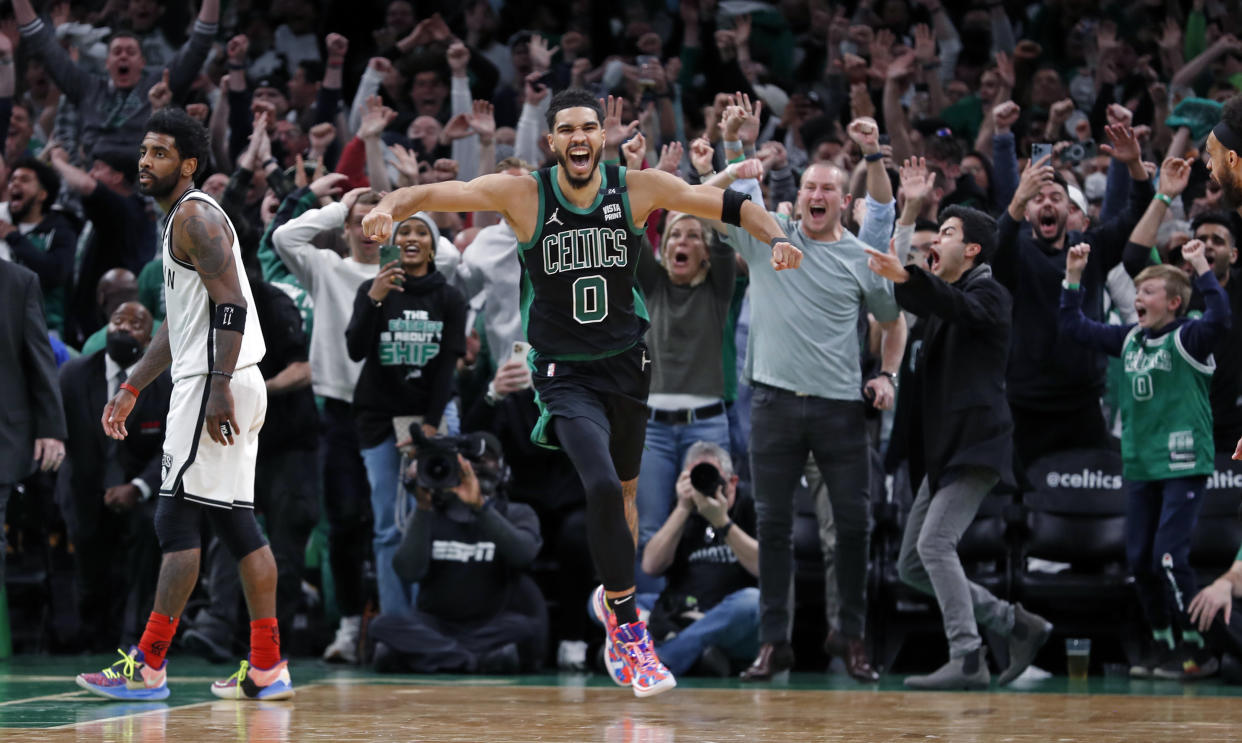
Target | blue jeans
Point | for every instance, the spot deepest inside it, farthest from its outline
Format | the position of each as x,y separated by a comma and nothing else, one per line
732,625
664,454
383,465
739,431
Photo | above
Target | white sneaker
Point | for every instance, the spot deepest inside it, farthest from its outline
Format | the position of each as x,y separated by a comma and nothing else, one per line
344,647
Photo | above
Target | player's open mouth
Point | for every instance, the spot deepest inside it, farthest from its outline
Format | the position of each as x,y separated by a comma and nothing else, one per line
580,157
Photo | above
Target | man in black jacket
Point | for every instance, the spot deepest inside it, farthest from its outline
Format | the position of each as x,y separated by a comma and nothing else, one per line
466,548
106,487
34,431
962,430
1054,388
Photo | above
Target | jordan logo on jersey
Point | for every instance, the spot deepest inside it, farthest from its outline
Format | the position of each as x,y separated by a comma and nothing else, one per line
554,219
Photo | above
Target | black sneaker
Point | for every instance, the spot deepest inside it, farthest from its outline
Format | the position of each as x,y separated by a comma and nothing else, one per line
1188,663
1146,666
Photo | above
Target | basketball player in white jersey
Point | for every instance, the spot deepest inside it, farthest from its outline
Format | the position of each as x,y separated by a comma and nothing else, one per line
218,404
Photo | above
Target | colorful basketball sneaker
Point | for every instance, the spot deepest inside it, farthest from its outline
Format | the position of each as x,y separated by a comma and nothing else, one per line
128,678
650,675
614,654
255,683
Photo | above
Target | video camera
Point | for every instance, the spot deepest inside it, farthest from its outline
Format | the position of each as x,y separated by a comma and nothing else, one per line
438,469
705,478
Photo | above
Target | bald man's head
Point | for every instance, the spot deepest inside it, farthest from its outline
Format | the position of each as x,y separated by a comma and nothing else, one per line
115,286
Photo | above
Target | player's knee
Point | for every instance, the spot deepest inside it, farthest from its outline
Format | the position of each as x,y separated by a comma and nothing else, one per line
238,529
177,525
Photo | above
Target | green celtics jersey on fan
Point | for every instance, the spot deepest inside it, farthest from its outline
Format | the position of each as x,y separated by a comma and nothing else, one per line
580,298
1166,419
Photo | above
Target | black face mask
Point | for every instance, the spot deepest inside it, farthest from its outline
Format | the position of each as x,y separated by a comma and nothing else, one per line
123,348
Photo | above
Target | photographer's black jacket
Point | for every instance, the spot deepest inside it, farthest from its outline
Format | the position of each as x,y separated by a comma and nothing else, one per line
411,344
465,568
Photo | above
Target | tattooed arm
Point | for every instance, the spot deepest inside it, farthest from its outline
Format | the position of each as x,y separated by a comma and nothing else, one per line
202,236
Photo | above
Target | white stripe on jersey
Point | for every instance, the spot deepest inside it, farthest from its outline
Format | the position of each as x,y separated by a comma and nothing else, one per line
189,308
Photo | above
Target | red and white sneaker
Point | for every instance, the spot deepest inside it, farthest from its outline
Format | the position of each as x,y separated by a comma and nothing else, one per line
614,654
649,674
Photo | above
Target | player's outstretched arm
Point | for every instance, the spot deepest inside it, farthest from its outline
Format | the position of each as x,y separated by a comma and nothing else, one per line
203,233
652,189
500,193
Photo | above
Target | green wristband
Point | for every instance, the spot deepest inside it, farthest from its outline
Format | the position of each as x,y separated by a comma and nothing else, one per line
1165,198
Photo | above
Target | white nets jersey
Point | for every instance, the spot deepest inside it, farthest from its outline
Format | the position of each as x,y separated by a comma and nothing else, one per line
190,309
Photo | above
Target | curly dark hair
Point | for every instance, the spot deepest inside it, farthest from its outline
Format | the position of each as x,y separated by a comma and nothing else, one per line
1232,114
189,135
573,98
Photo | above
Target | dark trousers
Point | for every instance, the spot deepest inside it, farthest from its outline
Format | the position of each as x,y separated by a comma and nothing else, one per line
6,490
784,428
289,502
427,644
1226,637
1160,517
347,503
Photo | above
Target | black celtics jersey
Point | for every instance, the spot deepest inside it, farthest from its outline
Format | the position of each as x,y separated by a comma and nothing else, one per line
580,298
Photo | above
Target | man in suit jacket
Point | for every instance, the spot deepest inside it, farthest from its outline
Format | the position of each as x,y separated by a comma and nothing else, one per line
963,431
106,488
33,430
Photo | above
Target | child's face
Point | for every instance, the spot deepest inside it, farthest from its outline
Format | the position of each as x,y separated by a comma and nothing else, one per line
1153,304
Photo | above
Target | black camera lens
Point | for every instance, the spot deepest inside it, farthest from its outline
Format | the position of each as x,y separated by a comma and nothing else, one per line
705,478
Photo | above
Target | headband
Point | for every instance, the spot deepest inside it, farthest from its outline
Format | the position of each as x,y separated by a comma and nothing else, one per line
1228,137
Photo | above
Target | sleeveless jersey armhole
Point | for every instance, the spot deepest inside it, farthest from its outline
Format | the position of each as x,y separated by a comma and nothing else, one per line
525,245
625,201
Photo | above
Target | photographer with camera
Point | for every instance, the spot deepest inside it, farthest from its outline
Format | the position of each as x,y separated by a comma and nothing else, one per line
410,327
708,613
466,545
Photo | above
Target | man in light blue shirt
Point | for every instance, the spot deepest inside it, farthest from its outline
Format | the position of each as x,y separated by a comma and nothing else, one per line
803,362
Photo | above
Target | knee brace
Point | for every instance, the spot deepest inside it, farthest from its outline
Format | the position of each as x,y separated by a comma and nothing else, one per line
177,524
238,529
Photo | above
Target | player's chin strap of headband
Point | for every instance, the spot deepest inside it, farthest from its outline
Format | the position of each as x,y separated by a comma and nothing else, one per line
1231,139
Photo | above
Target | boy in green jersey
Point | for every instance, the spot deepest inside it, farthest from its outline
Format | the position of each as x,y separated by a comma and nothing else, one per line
1166,438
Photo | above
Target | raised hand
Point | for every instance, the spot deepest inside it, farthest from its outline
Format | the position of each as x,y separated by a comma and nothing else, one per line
1037,174
482,120
328,185
670,157
458,57
406,163
741,29
633,150
1174,175
866,134
540,54
749,131
382,65
1194,253
1124,147
773,156
748,168
1119,115
901,68
1060,113
237,49
917,181
924,44
337,46
160,94
375,119
321,136
457,127
614,130
1076,261
701,155
785,256
861,103
1005,116
731,120
535,90
1004,69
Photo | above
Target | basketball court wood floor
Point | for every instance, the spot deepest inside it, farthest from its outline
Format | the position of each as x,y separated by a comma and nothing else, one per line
39,702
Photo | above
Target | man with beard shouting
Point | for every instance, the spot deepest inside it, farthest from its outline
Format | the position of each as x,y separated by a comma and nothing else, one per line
1054,387
580,227
1224,149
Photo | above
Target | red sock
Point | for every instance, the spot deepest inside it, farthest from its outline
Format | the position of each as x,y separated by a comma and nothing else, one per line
156,637
264,643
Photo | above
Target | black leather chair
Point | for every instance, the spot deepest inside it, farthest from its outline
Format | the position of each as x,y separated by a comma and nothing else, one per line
1075,516
1218,533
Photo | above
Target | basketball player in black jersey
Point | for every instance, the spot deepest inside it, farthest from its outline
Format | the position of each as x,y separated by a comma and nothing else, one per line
580,228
